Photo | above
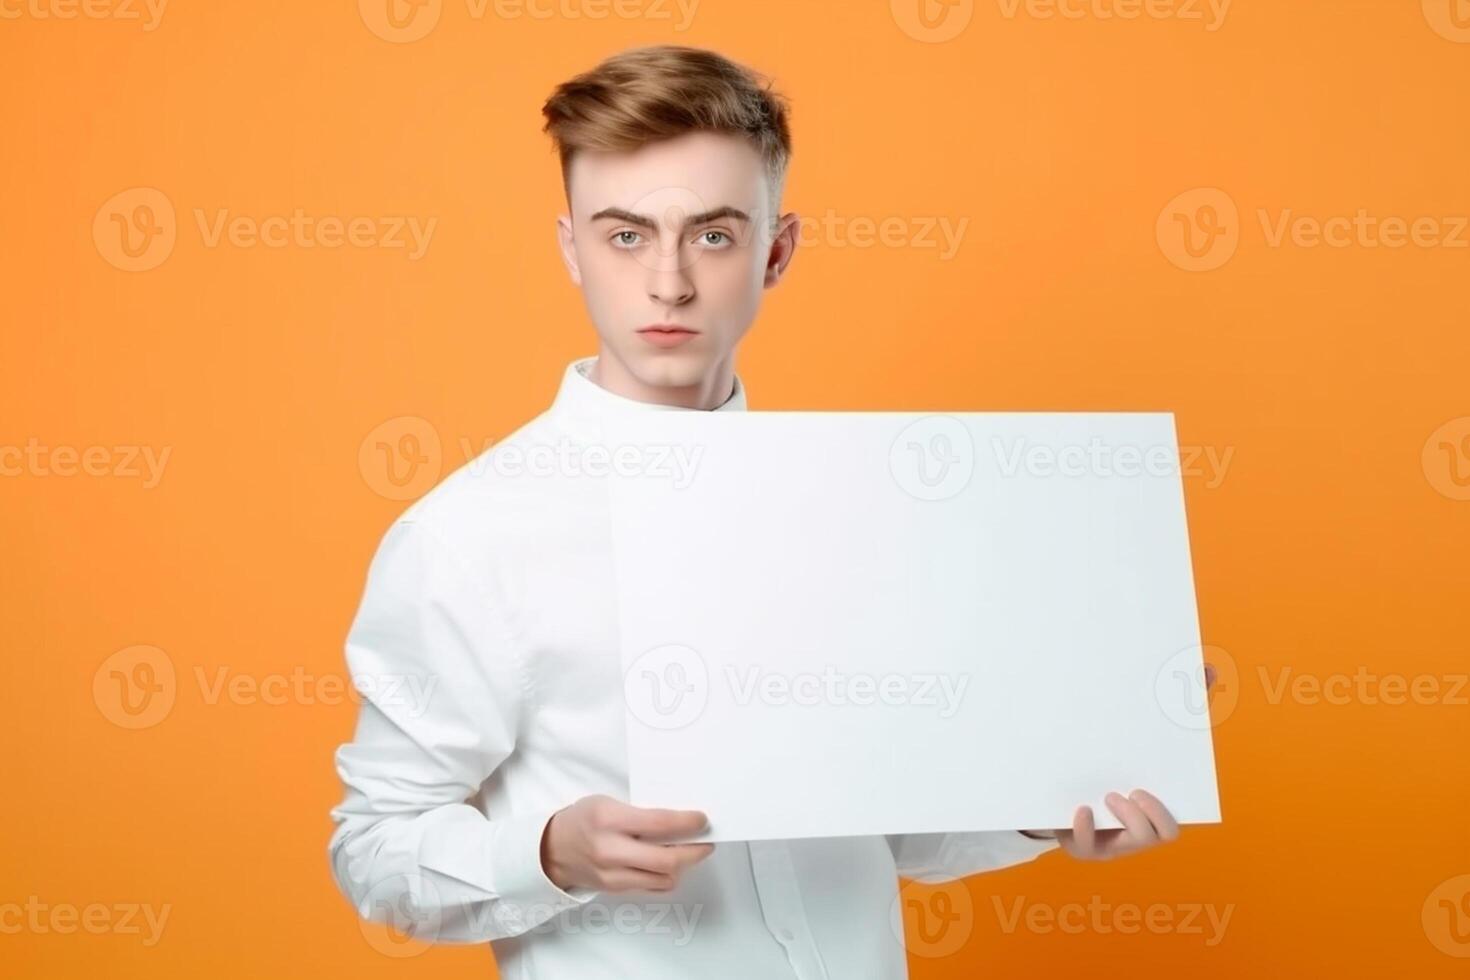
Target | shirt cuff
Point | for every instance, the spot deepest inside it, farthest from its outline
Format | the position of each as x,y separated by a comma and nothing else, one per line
527,896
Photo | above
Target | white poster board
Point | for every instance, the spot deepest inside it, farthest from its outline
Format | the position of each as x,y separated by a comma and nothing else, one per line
840,623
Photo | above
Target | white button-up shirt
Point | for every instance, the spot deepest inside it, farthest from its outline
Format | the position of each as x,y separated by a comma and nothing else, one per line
486,647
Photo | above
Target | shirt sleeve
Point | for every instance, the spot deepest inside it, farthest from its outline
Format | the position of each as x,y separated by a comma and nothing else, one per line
442,690
941,857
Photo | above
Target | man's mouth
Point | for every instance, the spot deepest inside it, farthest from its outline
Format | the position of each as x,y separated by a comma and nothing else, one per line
666,334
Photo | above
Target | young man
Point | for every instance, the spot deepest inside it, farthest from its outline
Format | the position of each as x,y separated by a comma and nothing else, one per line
493,811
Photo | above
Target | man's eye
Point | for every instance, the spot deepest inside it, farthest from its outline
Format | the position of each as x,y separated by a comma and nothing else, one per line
621,238
718,234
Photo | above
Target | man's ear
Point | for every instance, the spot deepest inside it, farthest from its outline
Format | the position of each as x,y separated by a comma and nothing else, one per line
568,247
783,247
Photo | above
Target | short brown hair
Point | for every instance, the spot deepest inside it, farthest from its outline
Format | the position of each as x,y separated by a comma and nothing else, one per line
662,91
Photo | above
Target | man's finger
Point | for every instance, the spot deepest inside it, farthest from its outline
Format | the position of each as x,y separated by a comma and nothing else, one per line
1133,818
627,880
1084,829
651,822
664,859
1158,814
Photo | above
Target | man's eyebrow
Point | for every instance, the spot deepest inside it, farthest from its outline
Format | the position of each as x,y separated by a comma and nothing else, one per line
646,221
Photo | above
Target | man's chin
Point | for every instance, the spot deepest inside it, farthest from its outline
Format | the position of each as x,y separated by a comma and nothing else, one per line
670,368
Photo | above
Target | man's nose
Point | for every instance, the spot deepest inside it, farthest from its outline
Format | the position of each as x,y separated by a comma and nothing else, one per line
669,280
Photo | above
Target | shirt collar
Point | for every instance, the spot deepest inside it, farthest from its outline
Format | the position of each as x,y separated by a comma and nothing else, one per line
580,395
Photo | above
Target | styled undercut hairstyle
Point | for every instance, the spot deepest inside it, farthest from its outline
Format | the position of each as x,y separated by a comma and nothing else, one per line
658,92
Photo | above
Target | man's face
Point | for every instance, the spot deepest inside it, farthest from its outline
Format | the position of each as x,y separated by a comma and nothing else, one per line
678,233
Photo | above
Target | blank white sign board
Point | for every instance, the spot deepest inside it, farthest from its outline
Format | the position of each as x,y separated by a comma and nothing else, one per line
838,623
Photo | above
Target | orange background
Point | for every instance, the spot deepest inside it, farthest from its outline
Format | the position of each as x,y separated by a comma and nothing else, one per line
1335,543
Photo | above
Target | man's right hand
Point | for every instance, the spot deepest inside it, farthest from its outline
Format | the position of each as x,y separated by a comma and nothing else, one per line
608,845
